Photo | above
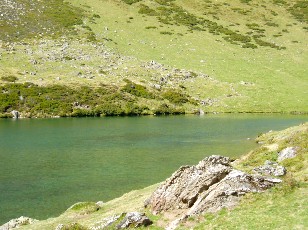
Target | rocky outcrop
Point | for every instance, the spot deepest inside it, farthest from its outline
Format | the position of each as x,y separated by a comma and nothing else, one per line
289,152
207,187
16,223
182,189
270,168
227,192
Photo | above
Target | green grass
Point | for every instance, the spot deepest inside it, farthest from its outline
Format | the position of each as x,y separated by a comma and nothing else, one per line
129,202
104,100
269,70
271,210
34,19
282,207
254,53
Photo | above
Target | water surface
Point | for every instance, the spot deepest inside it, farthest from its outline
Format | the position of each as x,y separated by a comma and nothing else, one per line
46,165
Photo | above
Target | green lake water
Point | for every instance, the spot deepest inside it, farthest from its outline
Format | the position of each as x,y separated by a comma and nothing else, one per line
46,165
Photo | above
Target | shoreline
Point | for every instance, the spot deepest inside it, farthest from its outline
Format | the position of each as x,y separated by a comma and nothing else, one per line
270,144
293,113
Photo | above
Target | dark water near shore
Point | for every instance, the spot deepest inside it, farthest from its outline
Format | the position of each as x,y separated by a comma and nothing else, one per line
46,165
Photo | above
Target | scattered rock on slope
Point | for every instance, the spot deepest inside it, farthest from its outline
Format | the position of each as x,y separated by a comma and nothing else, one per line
16,223
122,221
289,152
270,168
134,219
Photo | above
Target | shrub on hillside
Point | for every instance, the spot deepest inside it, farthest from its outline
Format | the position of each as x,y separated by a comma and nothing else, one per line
137,90
144,9
165,109
175,97
130,2
9,78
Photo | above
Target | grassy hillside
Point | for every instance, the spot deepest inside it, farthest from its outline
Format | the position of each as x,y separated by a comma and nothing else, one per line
281,207
228,56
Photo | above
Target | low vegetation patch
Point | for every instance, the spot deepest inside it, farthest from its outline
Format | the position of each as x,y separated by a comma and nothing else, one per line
175,97
47,18
165,109
58,100
9,78
169,13
300,11
137,90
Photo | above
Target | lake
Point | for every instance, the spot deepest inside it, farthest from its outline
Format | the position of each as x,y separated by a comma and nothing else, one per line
46,165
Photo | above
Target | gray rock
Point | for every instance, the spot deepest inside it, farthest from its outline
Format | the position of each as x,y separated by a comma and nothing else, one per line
106,222
289,152
270,168
59,227
182,189
134,219
15,114
227,192
16,223
100,203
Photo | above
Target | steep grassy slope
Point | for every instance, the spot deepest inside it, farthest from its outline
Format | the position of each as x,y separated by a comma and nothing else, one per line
233,56
282,207
171,38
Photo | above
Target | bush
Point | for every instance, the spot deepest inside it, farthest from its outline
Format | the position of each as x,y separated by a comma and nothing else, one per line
164,2
165,109
175,97
137,90
9,78
110,109
166,33
144,9
130,2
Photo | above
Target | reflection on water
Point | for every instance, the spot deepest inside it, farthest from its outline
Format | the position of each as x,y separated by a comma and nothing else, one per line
48,164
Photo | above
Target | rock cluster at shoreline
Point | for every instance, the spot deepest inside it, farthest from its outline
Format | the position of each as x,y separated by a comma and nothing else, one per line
16,223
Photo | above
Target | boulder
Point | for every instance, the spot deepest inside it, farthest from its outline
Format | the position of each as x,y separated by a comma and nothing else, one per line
207,187
100,203
135,220
15,114
16,223
289,152
227,192
182,189
270,168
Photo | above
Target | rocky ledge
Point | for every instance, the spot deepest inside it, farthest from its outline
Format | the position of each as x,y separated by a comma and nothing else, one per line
209,186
